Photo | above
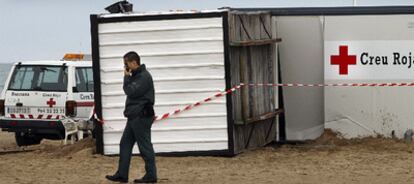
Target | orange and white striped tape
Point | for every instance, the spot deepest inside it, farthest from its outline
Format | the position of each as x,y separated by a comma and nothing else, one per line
218,95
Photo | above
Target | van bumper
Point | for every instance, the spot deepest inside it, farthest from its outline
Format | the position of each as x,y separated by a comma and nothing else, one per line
33,126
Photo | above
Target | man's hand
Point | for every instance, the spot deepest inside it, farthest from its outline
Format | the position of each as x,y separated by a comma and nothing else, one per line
127,72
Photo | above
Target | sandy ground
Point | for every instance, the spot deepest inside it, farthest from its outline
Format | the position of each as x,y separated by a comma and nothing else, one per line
327,160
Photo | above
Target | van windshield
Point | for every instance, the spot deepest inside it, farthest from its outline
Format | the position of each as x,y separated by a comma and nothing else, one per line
39,78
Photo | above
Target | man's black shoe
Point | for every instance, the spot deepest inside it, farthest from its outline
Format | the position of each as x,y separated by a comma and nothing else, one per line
142,180
116,178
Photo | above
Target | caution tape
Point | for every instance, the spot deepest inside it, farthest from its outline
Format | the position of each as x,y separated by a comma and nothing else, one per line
188,107
223,93
94,116
336,85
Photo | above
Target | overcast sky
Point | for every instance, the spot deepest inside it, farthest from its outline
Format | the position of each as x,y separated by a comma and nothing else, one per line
46,29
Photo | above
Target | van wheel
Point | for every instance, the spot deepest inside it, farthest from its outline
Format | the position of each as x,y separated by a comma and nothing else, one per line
24,139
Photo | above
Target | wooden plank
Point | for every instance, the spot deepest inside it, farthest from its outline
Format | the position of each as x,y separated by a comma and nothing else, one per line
259,135
16,150
256,60
245,89
255,42
267,34
250,80
235,80
265,116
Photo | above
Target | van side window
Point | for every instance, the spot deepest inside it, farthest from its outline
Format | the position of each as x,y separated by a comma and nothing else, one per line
84,79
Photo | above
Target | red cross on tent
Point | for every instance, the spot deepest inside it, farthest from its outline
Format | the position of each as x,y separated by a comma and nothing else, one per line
343,60
51,102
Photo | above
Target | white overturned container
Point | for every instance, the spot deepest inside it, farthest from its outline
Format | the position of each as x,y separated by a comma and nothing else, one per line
188,56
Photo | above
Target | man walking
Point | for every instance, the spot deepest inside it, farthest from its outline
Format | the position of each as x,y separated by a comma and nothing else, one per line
139,88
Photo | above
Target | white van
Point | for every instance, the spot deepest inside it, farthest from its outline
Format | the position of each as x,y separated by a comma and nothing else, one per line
47,99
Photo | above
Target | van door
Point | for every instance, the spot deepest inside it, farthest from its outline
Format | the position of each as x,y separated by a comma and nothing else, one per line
36,92
83,91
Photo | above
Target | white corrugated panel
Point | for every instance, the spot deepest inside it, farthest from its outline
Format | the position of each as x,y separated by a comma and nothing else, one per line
186,60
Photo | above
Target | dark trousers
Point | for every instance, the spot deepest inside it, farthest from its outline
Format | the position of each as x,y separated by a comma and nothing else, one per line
137,130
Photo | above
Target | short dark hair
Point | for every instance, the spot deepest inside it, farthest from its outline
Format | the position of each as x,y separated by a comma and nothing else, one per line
132,56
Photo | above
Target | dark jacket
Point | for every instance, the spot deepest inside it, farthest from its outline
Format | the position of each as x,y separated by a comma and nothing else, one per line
139,88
